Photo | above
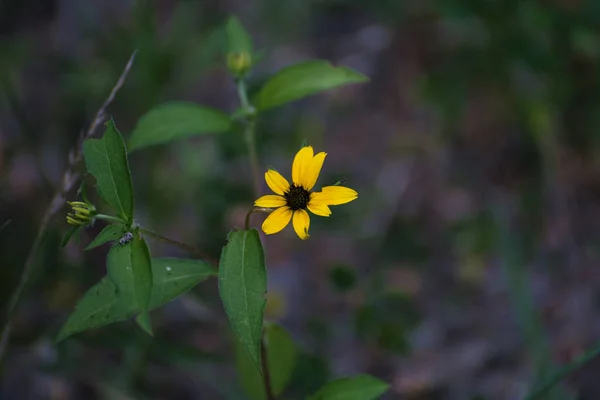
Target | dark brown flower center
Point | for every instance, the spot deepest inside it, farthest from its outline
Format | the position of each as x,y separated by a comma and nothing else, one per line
297,197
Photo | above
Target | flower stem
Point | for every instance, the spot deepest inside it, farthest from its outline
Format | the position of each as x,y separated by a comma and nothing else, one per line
109,218
252,211
175,243
249,133
265,369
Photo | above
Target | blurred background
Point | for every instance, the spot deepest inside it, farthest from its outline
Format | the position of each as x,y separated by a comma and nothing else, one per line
465,270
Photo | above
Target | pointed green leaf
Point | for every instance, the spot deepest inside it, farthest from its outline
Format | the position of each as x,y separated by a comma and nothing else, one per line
109,233
69,234
281,356
141,265
174,276
143,321
361,387
238,39
177,120
242,285
302,80
103,304
106,159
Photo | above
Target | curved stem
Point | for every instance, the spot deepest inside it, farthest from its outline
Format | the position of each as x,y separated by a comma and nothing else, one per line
252,211
175,243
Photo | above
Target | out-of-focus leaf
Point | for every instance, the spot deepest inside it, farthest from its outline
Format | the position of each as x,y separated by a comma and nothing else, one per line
238,39
74,230
103,304
362,387
177,120
242,285
302,80
281,357
106,159
109,233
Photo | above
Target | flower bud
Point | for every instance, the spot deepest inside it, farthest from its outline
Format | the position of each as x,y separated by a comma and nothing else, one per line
239,63
81,213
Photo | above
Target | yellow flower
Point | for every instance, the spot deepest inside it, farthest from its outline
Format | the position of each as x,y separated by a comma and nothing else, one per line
292,201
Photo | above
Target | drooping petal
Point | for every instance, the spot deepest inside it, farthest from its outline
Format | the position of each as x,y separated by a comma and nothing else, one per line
319,209
301,164
270,201
277,220
314,169
276,182
301,222
333,196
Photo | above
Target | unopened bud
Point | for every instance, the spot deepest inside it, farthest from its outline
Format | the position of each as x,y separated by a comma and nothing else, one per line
239,63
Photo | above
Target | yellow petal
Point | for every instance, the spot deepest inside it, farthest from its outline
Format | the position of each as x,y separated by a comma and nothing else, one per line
270,201
276,182
319,209
314,169
301,223
333,196
301,164
277,220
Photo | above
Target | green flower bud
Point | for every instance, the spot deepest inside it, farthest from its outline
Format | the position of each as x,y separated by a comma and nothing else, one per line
81,213
239,63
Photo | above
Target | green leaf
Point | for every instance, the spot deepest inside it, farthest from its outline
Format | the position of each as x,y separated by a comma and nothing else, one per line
174,276
242,285
106,159
143,321
177,120
302,80
141,265
361,387
69,234
281,357
109,233
103,304
238,39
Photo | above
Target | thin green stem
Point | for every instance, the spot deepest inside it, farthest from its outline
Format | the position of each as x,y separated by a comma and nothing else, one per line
110,218
559,375
250,133
243,95
175,243
514,265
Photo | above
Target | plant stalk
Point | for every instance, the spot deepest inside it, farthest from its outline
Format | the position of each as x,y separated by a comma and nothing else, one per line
265,371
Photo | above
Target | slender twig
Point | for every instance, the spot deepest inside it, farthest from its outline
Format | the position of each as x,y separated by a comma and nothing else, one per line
70,178
254,210
559,375
265,370
249,134
183,246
